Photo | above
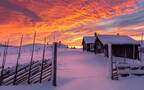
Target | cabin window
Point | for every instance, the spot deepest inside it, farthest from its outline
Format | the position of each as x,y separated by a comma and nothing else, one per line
91,46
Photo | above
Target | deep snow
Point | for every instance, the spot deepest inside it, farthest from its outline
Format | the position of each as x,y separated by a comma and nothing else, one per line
78,70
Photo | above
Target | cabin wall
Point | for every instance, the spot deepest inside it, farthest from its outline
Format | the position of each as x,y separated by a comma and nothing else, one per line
84,45
88,46
92,47
106,50
127,51
99,48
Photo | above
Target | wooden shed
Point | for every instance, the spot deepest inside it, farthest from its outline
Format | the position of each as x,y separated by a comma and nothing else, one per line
122,46
88,43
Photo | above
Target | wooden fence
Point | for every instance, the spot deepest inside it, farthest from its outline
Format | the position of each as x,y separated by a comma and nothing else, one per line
122,68
39,71
30,73
8,77
125,69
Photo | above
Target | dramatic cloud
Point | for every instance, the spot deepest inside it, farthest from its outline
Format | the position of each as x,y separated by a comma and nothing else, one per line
69,20
18,8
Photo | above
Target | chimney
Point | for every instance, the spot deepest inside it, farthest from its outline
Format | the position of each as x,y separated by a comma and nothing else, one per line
95,34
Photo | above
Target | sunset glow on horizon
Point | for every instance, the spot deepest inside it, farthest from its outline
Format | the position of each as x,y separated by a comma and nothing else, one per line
69,20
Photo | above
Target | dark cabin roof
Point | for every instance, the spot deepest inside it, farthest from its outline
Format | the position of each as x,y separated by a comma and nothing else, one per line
89,39
117,39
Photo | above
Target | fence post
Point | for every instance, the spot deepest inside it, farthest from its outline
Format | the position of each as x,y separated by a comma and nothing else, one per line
141,54
4,61
43,58
29,75
54,62
17,63
110,60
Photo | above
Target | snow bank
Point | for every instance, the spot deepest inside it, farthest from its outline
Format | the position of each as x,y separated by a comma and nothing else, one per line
79,70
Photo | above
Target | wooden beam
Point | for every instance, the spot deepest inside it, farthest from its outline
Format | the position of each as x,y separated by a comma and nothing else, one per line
110,60
19,54
43,58
31,58
54,80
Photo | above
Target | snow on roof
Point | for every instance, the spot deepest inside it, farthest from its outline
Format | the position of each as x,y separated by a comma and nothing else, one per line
142,45
117,39
89,39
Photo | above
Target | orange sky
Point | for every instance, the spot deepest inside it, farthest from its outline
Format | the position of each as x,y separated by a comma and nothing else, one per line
69,19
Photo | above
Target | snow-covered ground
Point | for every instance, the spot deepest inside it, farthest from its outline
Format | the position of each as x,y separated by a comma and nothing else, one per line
25,54
79,70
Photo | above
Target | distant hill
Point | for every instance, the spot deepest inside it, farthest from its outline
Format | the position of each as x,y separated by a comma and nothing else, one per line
30,45
62,45
49,45
2,45
37,45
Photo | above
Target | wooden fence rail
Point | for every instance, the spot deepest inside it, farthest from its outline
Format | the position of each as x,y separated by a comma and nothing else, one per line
23,73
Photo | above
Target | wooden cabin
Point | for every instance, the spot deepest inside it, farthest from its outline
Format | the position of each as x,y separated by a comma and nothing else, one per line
122,46
141,48
88,43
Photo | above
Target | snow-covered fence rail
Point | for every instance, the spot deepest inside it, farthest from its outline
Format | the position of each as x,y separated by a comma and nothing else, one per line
127,69
130,69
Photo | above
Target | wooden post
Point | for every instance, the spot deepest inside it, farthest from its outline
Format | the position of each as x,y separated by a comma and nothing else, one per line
141,54
19,54
141,51
4,61
133,51
54,35
142,39
31,58
125,56
2,67
110,60
54,74
43,58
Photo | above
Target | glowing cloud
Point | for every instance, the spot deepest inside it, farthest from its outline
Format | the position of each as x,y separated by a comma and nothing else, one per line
69,19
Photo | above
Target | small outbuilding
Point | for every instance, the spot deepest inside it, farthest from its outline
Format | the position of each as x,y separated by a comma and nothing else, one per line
122,46
88,43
